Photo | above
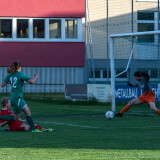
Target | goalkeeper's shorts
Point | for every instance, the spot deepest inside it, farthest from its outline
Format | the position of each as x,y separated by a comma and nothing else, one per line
147,97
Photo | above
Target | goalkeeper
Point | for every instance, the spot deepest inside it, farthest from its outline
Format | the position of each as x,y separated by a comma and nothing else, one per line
147,96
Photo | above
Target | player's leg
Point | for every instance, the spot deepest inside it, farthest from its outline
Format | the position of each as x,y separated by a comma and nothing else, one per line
27,113
16,117
150,99
128,106
17,127
29,119
26,127
154,108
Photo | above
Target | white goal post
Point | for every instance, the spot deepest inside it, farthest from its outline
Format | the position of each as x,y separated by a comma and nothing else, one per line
133,41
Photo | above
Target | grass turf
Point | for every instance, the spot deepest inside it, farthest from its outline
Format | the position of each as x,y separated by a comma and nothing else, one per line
81,132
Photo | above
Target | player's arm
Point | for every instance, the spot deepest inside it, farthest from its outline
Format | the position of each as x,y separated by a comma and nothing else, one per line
21,120
3,123
5,81
3,84
131,84
31,81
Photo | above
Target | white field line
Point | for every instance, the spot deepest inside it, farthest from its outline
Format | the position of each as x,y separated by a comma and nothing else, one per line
154,114
145,127
77,109
141,111
97,110
67,124
75,125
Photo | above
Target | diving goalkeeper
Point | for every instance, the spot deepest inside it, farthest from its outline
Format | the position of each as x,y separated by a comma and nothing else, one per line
147,96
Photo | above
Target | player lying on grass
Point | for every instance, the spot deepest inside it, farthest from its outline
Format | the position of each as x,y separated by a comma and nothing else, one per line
13,125
147,96
16,79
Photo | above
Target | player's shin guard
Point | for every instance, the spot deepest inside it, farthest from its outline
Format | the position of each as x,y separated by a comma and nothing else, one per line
7,118
30,122
158,112
125,109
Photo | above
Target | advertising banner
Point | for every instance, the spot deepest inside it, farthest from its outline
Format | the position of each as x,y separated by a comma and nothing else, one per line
125,93
101,92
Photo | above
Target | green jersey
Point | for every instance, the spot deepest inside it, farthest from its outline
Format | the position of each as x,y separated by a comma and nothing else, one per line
16,79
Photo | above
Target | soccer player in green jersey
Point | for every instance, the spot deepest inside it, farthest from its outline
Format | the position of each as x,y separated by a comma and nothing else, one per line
16,79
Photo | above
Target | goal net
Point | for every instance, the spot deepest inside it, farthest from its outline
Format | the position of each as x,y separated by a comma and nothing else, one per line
133,51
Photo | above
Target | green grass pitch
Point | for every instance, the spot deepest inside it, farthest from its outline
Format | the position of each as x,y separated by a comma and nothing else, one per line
81,132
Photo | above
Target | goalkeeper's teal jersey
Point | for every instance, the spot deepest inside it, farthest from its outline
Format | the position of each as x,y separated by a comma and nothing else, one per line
16,79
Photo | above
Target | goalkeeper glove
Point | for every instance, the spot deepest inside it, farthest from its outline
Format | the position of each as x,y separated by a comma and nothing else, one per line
130,84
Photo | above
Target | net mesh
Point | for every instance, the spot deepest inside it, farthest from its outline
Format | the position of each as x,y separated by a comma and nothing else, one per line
143,50
146,48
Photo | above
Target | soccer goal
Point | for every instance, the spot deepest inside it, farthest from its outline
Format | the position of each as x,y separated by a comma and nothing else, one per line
126,49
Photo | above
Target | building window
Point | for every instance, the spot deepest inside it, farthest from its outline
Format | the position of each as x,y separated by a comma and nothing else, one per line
118,71
71,28
90,74
5,28
97,74
145,15
154,73
38,28
104,73
142,27
54,28
22,28
146,22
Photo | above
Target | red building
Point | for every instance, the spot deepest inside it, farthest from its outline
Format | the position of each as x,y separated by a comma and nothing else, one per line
46,36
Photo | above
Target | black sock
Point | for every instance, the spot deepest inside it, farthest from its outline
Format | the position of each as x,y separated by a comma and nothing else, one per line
30,122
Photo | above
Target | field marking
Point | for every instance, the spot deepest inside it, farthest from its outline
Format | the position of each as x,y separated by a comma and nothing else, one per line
68,124
137,114
141,111
93,127
97,110
145,127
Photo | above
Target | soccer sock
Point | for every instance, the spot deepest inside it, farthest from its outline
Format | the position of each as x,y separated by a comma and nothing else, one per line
38,127
158,112
7,118
30,122
125,109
